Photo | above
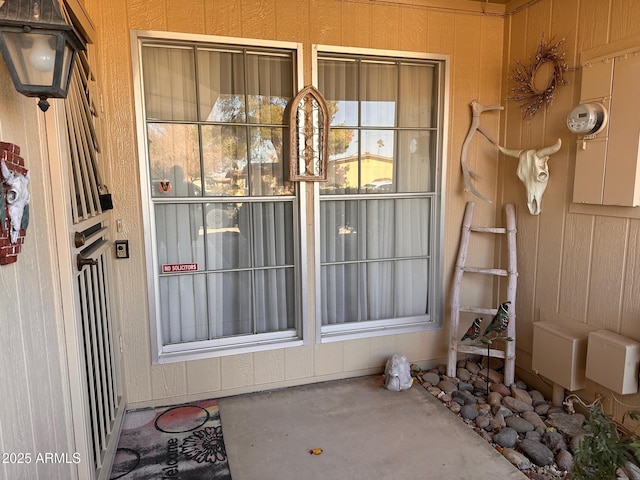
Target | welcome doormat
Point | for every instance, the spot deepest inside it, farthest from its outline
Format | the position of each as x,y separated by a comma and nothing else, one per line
178,442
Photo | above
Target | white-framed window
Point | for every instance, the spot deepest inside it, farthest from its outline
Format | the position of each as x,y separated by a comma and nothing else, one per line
221,219
380,226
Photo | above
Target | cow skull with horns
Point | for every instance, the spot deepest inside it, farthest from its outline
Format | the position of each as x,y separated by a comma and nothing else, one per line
17,199
533,171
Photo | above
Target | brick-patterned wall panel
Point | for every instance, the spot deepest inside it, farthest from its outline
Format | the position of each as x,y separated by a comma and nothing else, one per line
10,155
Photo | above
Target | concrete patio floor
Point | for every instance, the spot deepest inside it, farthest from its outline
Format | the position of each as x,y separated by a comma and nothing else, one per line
366,432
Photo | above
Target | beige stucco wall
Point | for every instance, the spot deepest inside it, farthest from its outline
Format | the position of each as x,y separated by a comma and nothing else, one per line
581,267
475,45
34,412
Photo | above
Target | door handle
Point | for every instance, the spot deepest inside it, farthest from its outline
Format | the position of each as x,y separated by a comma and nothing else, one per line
81,261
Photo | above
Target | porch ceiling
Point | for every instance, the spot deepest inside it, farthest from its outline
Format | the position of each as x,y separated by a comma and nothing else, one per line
502,2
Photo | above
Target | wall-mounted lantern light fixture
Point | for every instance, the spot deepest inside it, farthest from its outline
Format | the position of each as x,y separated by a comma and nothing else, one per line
39,48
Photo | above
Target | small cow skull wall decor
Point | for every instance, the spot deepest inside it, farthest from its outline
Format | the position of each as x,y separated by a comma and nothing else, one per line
533,170
17,198
14,202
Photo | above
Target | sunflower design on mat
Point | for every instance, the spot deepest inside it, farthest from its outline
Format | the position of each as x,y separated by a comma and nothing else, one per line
205,445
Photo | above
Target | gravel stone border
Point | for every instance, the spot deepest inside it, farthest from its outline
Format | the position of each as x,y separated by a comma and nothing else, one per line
536,437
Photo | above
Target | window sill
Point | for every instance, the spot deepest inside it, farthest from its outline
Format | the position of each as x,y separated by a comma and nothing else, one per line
202,350
354,331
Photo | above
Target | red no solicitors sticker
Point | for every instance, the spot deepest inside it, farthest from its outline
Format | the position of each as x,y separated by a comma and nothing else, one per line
179,267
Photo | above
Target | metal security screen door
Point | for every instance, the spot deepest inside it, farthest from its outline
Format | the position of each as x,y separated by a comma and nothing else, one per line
97,401
93,264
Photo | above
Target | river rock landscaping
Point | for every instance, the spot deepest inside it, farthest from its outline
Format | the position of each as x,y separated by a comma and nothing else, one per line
535,436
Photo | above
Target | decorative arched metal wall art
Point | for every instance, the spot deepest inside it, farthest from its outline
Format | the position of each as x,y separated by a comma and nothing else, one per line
309,136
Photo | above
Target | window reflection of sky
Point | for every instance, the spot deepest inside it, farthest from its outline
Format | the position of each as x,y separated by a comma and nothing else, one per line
346,114
378,114
378,142
375,114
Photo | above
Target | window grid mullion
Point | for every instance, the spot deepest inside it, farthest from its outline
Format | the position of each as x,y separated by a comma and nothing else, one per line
252,242
203,205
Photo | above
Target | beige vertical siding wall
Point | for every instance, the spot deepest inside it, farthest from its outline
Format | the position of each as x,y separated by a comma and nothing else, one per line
34,414
578,266
475,45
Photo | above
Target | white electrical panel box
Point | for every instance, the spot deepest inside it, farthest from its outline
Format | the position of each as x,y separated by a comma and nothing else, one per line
612,361
560,353
608,154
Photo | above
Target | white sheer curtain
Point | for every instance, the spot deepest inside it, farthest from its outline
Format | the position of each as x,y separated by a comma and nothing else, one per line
416,111
240,254
378,94
417,91
338,82
269,85
375,260
376,277
182,309
273,238
339,229
411,277
221,86
375,252
169,83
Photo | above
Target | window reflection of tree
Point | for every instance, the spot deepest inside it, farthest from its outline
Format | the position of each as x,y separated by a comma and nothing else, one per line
170,145
253,153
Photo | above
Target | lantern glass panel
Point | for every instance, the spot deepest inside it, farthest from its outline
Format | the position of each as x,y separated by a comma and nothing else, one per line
66,66
33,56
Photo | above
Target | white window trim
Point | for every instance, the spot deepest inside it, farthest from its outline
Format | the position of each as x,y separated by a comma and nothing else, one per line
161,354
373,328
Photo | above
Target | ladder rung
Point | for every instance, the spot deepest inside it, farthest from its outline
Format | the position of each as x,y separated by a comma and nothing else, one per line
476,228
479,350
485,311
487,271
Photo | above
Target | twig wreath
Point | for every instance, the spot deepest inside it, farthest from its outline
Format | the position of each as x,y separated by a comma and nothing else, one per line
524,76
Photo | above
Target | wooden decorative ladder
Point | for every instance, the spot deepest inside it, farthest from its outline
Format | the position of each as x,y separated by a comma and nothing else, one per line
455,346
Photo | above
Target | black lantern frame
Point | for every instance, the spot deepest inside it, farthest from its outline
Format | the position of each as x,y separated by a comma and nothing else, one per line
39,48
